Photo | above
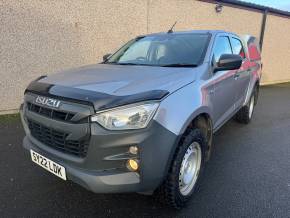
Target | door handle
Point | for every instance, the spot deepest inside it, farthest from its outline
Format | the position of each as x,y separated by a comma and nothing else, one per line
236,76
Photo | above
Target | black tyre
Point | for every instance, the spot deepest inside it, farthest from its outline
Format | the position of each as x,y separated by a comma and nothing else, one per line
185,170
245,114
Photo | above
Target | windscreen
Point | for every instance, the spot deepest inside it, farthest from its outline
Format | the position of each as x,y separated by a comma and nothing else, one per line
163,50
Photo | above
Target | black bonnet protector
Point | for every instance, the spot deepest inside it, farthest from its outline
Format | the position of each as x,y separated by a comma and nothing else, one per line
99,100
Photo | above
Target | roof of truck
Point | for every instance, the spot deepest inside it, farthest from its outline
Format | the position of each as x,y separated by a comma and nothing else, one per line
213,32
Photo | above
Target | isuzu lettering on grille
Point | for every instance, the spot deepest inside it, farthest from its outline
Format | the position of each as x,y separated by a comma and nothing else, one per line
47,101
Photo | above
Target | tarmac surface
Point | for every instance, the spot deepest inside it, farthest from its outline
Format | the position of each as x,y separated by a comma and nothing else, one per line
248,175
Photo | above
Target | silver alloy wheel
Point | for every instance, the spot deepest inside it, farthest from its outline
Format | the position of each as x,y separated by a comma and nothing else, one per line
190,168
251,106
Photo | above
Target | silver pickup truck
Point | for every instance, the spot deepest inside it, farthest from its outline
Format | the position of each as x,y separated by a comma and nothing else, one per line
143,119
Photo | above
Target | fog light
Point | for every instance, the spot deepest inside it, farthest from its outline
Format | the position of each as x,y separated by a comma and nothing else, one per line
132,165
133,149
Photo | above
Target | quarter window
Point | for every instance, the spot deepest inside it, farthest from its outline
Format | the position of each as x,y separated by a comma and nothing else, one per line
238,47
222,46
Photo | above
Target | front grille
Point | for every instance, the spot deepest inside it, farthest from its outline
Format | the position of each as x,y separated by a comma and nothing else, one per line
57,139
47,112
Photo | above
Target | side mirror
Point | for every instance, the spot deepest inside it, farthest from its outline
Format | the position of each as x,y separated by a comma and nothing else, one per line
228,62
106,56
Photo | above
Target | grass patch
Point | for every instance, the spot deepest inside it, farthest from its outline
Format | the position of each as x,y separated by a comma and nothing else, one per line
9,118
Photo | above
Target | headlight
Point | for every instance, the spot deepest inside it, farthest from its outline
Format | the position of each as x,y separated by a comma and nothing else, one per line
127,117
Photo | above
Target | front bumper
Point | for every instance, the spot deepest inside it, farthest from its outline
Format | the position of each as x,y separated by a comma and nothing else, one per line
103,170
96,181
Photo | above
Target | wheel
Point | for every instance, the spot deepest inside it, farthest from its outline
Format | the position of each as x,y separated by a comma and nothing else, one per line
185,170
245,114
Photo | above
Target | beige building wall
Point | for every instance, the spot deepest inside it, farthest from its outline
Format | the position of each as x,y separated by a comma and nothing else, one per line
201,15
42,37
276,50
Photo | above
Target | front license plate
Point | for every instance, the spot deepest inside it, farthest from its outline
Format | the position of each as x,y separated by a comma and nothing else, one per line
48,164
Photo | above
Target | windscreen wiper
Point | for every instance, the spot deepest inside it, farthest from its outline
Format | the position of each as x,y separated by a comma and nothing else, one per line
179,65
134,64
118,63
127,63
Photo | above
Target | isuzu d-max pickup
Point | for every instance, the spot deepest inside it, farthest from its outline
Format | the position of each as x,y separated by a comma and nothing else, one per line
143,119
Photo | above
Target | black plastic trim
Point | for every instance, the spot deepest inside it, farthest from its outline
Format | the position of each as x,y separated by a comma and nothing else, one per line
99,100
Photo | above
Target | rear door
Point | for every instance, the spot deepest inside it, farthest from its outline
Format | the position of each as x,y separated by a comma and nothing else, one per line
242,76
223,96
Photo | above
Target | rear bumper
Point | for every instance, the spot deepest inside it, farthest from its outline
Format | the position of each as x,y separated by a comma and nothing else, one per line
103,170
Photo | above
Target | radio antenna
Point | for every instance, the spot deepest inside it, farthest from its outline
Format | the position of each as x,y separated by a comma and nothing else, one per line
171,29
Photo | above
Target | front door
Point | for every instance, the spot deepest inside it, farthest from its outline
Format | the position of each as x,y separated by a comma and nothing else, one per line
242,76
223,96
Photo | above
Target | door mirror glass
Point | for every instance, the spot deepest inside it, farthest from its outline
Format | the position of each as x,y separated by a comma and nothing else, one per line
228,62
106,56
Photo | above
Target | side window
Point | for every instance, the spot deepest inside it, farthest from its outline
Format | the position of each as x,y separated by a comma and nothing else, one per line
222,46
238,47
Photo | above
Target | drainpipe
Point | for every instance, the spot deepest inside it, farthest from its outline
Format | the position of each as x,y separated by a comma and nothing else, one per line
263,28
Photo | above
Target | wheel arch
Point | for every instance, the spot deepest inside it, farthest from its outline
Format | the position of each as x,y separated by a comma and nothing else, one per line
201,120
252,85
202,111
257,85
